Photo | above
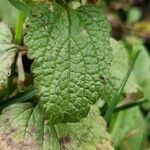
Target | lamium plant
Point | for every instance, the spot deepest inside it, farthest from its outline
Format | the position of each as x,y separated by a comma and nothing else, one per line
71,63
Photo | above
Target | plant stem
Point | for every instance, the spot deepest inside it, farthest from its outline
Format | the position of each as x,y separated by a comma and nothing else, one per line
116,98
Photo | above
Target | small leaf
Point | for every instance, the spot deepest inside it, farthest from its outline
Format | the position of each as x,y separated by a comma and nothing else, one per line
7,53
71,53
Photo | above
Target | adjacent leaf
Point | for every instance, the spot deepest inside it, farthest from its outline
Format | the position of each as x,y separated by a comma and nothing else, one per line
72,55
132,130
124,130
120,65
89,134
8,13
21,6
22,127
142,66
7,53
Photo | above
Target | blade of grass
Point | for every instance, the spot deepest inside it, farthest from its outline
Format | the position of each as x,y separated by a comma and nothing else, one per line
20,98
115,100
19,29
21,6
131,104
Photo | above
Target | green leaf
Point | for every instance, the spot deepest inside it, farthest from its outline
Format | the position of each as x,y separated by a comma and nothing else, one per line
117,95
142,66
7,53
89,134
120,65
72,55
142,74
21,6
22,127
8,13
129,130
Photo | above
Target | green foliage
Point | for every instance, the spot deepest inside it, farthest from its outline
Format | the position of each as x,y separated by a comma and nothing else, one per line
90,133
142,66
117,95
120,65
23,127
21,6
142,71
72,56
69,42
8,13
129,135
132,130
7,53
